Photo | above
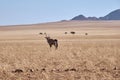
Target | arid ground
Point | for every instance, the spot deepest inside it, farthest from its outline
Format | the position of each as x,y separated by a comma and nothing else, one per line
26,55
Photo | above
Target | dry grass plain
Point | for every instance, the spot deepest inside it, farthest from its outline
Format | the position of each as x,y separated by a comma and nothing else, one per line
25,55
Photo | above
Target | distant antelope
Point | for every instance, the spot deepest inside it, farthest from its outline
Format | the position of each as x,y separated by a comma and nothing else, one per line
40,33
52,41
72,32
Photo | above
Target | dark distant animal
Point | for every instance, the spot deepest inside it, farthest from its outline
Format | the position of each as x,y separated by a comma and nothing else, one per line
72,32
40,33
51,41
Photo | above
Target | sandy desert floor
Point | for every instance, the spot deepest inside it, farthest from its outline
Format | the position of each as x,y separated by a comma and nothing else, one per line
25,54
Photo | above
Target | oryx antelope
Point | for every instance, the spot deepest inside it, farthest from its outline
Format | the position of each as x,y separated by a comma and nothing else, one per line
51,41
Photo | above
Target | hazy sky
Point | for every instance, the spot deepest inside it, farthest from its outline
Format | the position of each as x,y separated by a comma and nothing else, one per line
14,12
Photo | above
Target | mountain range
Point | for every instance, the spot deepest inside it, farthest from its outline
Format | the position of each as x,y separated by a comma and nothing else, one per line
114,15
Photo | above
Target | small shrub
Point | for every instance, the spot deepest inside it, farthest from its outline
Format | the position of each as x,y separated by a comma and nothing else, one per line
86,34
65,32
18,71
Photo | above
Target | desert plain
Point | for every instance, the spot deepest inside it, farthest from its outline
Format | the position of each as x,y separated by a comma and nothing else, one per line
26,55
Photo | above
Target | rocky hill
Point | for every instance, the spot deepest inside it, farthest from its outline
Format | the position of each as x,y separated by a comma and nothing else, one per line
114,15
